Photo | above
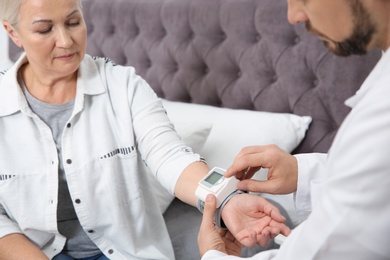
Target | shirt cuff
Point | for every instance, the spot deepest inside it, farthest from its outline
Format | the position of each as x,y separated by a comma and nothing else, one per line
212,254
302,195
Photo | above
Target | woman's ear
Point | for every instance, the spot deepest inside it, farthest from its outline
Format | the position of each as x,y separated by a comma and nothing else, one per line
13,34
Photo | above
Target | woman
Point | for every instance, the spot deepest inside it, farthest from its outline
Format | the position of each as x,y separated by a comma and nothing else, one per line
74,132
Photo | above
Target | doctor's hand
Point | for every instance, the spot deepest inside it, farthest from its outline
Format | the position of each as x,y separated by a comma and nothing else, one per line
210,238
253,220
282,169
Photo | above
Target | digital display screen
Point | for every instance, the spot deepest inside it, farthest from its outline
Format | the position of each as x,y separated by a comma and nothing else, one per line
213,178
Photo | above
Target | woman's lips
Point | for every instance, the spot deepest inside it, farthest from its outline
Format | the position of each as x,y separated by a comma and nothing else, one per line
66,57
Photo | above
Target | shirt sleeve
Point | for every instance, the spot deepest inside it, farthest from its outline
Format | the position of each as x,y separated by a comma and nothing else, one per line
158,142
7,226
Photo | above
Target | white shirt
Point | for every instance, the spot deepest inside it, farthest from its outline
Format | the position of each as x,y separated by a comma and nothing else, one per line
351,216
116,119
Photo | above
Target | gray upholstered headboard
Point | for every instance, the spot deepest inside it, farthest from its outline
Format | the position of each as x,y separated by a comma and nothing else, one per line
230,53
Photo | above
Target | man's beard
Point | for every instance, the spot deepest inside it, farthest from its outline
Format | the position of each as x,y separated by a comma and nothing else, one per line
361,37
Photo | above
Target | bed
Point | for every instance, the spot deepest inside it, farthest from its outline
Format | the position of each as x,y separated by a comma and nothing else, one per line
230,73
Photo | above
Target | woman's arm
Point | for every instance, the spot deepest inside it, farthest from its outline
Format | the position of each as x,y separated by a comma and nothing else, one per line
17,246
188,182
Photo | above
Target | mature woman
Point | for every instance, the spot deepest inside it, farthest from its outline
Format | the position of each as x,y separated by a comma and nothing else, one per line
74,130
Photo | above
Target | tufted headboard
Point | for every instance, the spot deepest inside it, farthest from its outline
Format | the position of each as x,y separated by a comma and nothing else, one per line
230,53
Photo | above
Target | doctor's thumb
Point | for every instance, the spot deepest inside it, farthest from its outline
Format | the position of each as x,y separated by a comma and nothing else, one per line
208,213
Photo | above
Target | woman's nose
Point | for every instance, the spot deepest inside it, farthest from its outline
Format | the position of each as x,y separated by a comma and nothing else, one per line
64,39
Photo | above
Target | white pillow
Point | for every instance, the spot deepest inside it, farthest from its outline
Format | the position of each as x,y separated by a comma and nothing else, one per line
233,129
194,134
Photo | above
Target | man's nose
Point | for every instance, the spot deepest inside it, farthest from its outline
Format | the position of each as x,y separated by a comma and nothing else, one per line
295,12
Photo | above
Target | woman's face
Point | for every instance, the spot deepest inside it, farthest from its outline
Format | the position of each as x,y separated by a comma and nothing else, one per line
53,34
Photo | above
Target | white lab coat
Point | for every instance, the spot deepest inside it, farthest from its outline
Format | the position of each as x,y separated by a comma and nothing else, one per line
351,215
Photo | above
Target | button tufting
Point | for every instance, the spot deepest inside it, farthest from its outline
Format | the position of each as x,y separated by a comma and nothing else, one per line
112,29
148,63
239,74
223,36
258,37
297,40
206,70
163,33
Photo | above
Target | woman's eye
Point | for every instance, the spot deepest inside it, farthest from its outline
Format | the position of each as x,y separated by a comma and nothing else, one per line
44,31
72,24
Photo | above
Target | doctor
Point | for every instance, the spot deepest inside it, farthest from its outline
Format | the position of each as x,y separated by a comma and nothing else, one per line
351,216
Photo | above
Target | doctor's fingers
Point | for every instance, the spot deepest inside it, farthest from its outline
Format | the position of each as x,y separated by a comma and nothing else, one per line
248,163
261,186
247,173
259,156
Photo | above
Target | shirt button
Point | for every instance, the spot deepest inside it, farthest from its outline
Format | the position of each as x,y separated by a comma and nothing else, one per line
78,201
110,251
68,125
69,161
91,231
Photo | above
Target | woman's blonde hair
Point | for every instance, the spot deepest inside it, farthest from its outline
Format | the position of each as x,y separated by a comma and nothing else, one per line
9,10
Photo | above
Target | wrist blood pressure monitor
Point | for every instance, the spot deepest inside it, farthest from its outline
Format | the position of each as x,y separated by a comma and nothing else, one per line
222,188
215,183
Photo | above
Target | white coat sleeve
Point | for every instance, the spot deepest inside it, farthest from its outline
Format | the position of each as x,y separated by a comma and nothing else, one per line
216,255
311,169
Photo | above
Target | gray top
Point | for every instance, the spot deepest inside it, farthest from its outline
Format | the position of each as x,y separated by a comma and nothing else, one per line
78,243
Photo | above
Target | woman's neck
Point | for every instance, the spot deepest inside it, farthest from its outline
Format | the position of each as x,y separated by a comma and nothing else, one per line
49,88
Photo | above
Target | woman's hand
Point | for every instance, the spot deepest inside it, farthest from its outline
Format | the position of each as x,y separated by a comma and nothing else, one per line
210,238
282,169
253,220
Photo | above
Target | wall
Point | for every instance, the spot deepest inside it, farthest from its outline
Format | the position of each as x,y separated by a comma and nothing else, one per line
4,61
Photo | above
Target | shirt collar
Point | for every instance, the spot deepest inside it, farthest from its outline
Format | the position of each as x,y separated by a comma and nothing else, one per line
11,95
376,74
12,99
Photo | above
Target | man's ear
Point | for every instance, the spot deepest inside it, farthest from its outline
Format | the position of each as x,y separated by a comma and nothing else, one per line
13,34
